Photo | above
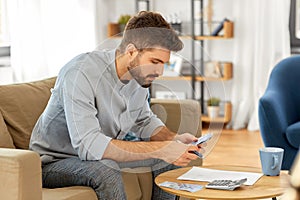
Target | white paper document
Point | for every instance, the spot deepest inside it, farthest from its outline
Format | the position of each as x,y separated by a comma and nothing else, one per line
203,174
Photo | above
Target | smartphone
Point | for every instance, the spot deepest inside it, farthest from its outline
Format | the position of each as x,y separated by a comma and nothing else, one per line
203,139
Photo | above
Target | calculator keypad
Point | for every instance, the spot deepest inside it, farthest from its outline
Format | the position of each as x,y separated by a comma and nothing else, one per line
225,184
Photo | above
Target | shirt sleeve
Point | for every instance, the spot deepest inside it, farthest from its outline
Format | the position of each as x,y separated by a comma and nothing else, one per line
147,122
85,132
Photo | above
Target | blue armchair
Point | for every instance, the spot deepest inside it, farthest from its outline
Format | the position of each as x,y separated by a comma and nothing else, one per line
279,109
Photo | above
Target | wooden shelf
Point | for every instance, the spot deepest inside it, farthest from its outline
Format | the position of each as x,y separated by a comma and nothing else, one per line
222,119
200,78
175,78
225,69
113,30
189,78
208,37
228,33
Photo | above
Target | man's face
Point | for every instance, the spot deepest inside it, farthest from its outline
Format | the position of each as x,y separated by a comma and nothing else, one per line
148,65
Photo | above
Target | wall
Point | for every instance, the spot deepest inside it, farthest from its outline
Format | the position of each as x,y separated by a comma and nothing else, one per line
6,75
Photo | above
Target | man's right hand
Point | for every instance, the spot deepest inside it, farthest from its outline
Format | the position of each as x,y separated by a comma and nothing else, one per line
178,153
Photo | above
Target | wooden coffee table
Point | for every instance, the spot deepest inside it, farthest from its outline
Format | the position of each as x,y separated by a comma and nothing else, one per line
265,187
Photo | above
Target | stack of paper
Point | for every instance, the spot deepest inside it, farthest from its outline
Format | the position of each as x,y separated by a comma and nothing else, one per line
208,175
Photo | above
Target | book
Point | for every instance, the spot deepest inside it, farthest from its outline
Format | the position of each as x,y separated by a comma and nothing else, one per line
219,28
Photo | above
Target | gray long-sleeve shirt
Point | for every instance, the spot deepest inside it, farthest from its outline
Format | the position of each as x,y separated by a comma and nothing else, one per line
88,107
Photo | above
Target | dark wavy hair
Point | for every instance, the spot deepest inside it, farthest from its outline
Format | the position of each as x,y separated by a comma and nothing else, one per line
148,30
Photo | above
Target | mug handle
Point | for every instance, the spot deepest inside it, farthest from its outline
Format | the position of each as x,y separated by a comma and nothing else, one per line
275,161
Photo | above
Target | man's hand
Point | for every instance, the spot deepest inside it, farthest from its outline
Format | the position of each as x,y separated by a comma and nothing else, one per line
185,138
188,138
178,153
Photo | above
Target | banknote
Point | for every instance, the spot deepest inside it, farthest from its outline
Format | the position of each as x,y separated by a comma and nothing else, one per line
181,186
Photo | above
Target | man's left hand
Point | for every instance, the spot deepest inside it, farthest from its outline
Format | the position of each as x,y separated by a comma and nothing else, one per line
185,138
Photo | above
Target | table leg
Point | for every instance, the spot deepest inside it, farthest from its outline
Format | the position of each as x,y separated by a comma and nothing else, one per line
274,198
177,197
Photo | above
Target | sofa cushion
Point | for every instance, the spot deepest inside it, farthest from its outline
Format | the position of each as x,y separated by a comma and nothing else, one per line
5,138
21,105
293,134
69,193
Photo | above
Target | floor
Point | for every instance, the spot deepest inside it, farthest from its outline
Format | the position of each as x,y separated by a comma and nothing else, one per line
235,147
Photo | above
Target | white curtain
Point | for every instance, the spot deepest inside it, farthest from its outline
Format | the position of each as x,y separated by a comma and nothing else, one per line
261,40
45,34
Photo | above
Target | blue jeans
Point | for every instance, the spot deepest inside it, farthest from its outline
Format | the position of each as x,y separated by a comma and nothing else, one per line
104,176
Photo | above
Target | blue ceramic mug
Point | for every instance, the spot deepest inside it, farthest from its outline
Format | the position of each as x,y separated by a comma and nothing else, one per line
271,160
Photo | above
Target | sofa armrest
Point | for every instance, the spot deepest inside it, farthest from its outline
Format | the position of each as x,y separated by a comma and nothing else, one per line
179,116
20,175
274,119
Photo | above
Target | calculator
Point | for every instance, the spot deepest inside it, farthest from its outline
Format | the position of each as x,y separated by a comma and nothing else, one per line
226,184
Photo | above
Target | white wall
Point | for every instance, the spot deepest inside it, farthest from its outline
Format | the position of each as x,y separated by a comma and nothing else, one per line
6,75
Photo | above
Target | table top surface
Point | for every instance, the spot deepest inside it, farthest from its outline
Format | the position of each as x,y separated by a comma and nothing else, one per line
265,187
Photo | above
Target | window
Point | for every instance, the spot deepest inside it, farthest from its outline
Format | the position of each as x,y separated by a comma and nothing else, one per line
4,34
295,26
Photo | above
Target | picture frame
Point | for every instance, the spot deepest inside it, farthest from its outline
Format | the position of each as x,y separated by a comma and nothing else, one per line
173,67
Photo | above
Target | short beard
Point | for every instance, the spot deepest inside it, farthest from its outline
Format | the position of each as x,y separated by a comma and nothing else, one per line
133,70
139,79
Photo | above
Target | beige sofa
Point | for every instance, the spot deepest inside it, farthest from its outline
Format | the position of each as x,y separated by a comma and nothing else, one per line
20,168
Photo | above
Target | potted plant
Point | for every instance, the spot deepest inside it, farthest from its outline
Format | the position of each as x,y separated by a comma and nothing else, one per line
122,21
213,107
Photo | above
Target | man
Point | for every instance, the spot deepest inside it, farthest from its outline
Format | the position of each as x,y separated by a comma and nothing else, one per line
99,99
